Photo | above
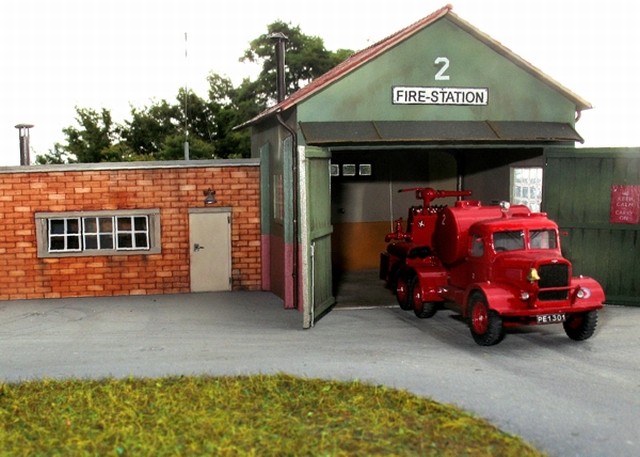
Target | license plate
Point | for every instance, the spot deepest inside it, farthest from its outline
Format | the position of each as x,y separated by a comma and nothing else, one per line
550,318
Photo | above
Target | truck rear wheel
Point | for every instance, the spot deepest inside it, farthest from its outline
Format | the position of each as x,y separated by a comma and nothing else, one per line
484,323
581,326
403,290
423,310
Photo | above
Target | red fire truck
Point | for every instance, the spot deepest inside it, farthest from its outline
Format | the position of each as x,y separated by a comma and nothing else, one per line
498,266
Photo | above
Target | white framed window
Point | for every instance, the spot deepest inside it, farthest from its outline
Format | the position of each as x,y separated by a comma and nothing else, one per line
98,233
64,234
526,187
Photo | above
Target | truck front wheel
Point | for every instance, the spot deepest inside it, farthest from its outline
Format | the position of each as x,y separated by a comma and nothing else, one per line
484,323
581,326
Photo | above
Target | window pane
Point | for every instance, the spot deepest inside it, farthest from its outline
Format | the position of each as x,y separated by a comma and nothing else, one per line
106,224
141,223
56,243
73,225
106,241
73,243
125,241
508,241
142,241
90,225
56,226
526,187
543,239
91,242
477,247
124,223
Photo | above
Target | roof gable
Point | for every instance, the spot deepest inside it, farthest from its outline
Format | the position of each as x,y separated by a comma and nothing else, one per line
361,58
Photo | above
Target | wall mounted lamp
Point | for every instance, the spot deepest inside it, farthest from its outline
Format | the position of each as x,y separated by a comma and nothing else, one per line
209,196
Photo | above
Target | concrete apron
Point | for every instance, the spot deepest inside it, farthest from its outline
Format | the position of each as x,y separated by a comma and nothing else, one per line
566,398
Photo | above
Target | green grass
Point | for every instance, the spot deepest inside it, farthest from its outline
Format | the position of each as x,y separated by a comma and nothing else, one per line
237,416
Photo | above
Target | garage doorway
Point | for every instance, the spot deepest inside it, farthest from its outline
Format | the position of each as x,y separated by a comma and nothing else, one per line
366,200
210,249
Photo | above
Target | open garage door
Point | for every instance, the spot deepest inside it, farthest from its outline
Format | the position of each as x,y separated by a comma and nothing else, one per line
315,233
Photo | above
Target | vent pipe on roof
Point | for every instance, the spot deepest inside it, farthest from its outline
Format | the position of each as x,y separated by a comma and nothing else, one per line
23,132
280,39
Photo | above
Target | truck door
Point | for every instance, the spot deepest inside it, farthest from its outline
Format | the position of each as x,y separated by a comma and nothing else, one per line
478,266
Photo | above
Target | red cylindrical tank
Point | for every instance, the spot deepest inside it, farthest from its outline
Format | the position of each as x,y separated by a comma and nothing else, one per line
452,229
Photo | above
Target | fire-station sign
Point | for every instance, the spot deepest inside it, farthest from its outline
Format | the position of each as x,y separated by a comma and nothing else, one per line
403,95
625,204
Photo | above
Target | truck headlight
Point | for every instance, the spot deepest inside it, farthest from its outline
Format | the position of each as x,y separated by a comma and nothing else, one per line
524,295
583,292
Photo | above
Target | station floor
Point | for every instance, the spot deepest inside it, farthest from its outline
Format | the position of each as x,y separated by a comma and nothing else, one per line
362,289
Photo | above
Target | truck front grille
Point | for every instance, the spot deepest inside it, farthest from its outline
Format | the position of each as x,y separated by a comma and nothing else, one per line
551,276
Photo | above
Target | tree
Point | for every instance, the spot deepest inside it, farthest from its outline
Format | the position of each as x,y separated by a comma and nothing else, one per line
54,156
306,59
231,106
93,141
145,133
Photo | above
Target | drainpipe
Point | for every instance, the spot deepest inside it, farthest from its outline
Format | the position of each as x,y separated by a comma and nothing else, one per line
294,178
280,39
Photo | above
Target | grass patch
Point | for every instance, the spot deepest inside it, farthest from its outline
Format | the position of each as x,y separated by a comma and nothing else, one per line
229,416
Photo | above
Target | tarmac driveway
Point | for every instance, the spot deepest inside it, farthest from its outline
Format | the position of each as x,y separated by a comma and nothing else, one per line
567,398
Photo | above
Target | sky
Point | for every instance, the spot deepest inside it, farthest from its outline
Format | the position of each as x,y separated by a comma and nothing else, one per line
56,55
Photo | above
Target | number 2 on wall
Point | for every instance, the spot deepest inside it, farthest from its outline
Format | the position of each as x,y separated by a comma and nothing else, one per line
444,66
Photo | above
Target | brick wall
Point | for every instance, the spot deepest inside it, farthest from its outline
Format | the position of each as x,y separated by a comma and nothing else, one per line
173,190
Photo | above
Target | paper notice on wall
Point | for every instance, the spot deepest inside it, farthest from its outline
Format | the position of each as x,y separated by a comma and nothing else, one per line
625,204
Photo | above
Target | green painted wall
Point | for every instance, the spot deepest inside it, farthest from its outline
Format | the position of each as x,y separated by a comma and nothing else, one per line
365,94
577,194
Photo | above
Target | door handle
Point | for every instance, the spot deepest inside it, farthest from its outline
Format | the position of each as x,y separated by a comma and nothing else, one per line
197,247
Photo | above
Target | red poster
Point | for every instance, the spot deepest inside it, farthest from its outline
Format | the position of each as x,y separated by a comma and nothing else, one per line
625,204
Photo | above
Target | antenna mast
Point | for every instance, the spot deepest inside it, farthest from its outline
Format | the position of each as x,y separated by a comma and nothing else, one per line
186,102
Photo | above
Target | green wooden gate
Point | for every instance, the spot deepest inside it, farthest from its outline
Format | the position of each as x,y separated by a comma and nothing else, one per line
315,233
577,193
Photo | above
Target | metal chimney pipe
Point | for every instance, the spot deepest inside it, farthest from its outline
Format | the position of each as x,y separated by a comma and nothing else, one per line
280,39
23,134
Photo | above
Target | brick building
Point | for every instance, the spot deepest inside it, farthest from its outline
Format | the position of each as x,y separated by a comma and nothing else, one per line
129,229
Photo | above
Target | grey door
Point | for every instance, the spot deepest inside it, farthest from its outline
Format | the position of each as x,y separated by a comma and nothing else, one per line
210,250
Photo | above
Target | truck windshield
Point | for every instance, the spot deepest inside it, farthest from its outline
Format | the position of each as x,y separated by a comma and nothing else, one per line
543,239
511,240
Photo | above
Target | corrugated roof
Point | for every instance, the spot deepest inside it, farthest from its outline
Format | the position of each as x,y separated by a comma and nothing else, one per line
362,57
433,132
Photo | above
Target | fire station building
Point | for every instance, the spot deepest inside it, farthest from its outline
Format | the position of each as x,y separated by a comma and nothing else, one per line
437,104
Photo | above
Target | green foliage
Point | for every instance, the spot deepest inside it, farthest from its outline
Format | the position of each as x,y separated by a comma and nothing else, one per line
145,132
158,131
306,59
54,156
257,415
93,140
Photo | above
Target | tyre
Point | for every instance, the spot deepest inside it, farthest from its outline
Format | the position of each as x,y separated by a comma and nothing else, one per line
484,323
581,326
423,310
403,293
392,279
